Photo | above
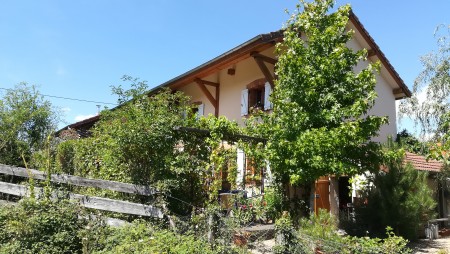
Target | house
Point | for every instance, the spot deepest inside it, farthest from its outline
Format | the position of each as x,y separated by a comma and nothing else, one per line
243,77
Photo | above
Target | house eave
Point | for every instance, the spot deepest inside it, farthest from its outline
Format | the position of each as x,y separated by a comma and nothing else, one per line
244,50
405,92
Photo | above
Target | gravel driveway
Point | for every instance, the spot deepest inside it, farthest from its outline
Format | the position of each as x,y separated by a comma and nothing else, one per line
432,246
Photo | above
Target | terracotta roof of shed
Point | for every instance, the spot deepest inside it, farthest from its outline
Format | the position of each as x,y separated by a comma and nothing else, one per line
421,163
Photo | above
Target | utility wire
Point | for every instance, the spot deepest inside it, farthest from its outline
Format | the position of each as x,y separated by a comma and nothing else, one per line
66,98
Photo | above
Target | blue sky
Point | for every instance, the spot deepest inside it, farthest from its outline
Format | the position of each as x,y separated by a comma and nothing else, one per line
79,49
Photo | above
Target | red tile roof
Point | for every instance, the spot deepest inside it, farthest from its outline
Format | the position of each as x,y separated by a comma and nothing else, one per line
420,162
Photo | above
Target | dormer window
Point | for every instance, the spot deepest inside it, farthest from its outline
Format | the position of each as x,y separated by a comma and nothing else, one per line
256,97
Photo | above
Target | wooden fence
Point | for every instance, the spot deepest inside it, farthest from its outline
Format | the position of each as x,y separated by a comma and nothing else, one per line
99,203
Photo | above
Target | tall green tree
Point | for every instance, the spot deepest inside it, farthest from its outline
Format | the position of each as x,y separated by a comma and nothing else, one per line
319,124
431,90
399,196
26,119
143,142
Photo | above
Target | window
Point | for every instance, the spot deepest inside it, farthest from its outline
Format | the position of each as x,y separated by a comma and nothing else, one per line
198,110
256,96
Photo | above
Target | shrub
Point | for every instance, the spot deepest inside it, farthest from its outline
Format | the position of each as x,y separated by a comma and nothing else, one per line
286,237
274,201
65,154
320,232
141,237
400,198
40,226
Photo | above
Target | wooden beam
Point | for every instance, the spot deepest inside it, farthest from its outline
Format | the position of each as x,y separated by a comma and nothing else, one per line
206,82
206,92
371,53
98,203
216,109
398,91
265,71
218,64
264,58
226,136
79,181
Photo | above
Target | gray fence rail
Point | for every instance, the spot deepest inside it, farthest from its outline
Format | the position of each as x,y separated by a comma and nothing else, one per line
99,203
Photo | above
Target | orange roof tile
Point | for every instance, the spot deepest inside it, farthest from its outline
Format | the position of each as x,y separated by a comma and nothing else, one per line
420,162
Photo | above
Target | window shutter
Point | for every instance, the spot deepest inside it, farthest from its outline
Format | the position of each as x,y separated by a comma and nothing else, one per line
244,102
240,168
267,92
268,178
201,110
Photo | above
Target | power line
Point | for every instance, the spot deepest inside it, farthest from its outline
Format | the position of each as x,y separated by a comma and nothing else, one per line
66,98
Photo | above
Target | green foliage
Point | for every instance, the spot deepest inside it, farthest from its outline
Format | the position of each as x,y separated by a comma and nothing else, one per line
320,233
139,143
26,121
251,210
400,198
142,237
65,156
318,125
40,226
274,202
143,142
411,143
286,238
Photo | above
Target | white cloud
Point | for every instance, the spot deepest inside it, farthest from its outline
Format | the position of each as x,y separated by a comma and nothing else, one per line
83,117
66,109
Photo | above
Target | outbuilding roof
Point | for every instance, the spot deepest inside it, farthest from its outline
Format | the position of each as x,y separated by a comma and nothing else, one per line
420,162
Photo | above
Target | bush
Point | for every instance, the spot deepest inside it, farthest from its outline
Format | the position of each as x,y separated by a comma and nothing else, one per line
285,236
65,157
40,226
320,232
400,198
141,237
274,202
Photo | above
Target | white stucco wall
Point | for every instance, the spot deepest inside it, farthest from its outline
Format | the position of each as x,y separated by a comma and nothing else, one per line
334,196
247,71
385,102
196,94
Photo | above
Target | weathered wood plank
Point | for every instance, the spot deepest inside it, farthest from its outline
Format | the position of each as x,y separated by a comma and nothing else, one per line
117,206
104,204
79,181
14,189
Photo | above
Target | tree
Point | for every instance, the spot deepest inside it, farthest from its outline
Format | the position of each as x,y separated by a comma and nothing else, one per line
26,121
143,142
399,196
318,126
431,91
410,143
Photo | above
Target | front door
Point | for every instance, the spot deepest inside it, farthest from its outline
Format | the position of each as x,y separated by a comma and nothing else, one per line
322,194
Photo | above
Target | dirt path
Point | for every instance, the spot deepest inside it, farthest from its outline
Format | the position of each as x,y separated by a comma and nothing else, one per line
432,246
420,247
